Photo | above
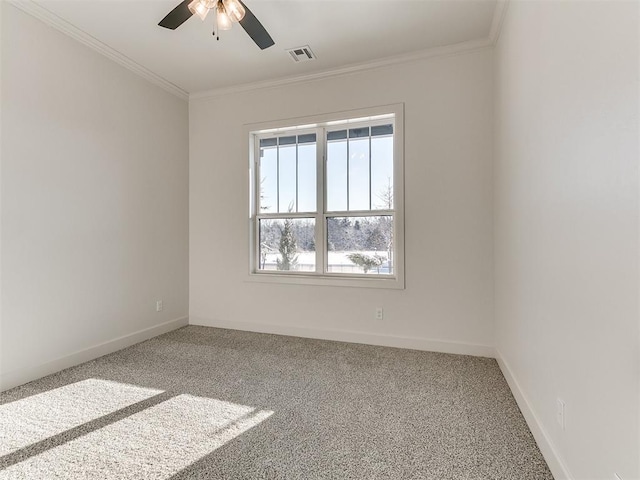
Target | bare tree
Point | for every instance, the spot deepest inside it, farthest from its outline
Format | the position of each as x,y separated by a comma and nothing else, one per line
263,196
386,198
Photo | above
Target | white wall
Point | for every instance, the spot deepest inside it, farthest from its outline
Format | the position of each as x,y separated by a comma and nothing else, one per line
94,201
448,198
566,236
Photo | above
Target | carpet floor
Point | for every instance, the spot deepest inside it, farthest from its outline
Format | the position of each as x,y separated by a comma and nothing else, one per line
208,403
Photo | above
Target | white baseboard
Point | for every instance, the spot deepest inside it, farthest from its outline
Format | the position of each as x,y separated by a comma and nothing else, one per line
21,376
425,344
549,452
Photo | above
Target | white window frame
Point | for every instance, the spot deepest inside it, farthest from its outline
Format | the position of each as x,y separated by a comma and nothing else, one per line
319,124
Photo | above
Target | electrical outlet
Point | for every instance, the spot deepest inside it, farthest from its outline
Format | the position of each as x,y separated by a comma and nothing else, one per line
379,314
560,413
159,306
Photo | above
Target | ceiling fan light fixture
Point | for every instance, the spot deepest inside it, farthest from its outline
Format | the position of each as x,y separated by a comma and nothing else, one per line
234,10
222,19
226,11
199,7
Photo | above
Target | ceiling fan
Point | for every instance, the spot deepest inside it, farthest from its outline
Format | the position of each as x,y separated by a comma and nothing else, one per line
226,11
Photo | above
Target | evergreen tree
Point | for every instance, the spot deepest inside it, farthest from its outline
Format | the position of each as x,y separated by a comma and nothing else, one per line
367,262
287,247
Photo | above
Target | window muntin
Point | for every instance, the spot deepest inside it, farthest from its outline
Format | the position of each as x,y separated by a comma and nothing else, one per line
354,165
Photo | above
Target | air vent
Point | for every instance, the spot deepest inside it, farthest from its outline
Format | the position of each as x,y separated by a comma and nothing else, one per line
301,54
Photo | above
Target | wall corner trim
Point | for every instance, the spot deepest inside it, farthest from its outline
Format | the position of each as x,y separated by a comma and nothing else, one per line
498,20
23,375
549,452
413,343
38,11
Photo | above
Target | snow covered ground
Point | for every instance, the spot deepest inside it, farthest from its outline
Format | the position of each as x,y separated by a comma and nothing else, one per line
338,262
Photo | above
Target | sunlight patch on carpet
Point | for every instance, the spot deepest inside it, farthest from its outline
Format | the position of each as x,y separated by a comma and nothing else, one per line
38,417
153,444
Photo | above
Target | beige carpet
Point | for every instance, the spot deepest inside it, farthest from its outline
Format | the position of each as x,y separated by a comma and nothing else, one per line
221,404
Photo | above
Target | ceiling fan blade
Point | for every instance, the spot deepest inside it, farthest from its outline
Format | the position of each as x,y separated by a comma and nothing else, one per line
255,29
177,16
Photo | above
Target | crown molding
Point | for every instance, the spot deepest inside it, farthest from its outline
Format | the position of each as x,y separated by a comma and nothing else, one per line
35,10
498,19
448,50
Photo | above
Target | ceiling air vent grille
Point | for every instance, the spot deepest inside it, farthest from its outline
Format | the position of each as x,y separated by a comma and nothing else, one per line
301,54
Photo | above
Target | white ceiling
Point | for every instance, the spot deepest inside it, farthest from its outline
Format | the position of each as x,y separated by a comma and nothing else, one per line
340,32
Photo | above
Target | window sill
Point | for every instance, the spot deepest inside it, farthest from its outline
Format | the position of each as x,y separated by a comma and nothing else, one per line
393,283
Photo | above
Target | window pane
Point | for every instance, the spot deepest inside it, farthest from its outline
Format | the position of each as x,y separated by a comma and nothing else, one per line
360,245
287,244
307,138
339,135
307,177
268,142
287,140
337,175
382,130
358,132
268,180
359,174
287,194
382,172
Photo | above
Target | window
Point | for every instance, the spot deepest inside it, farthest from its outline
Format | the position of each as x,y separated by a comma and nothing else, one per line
326,200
